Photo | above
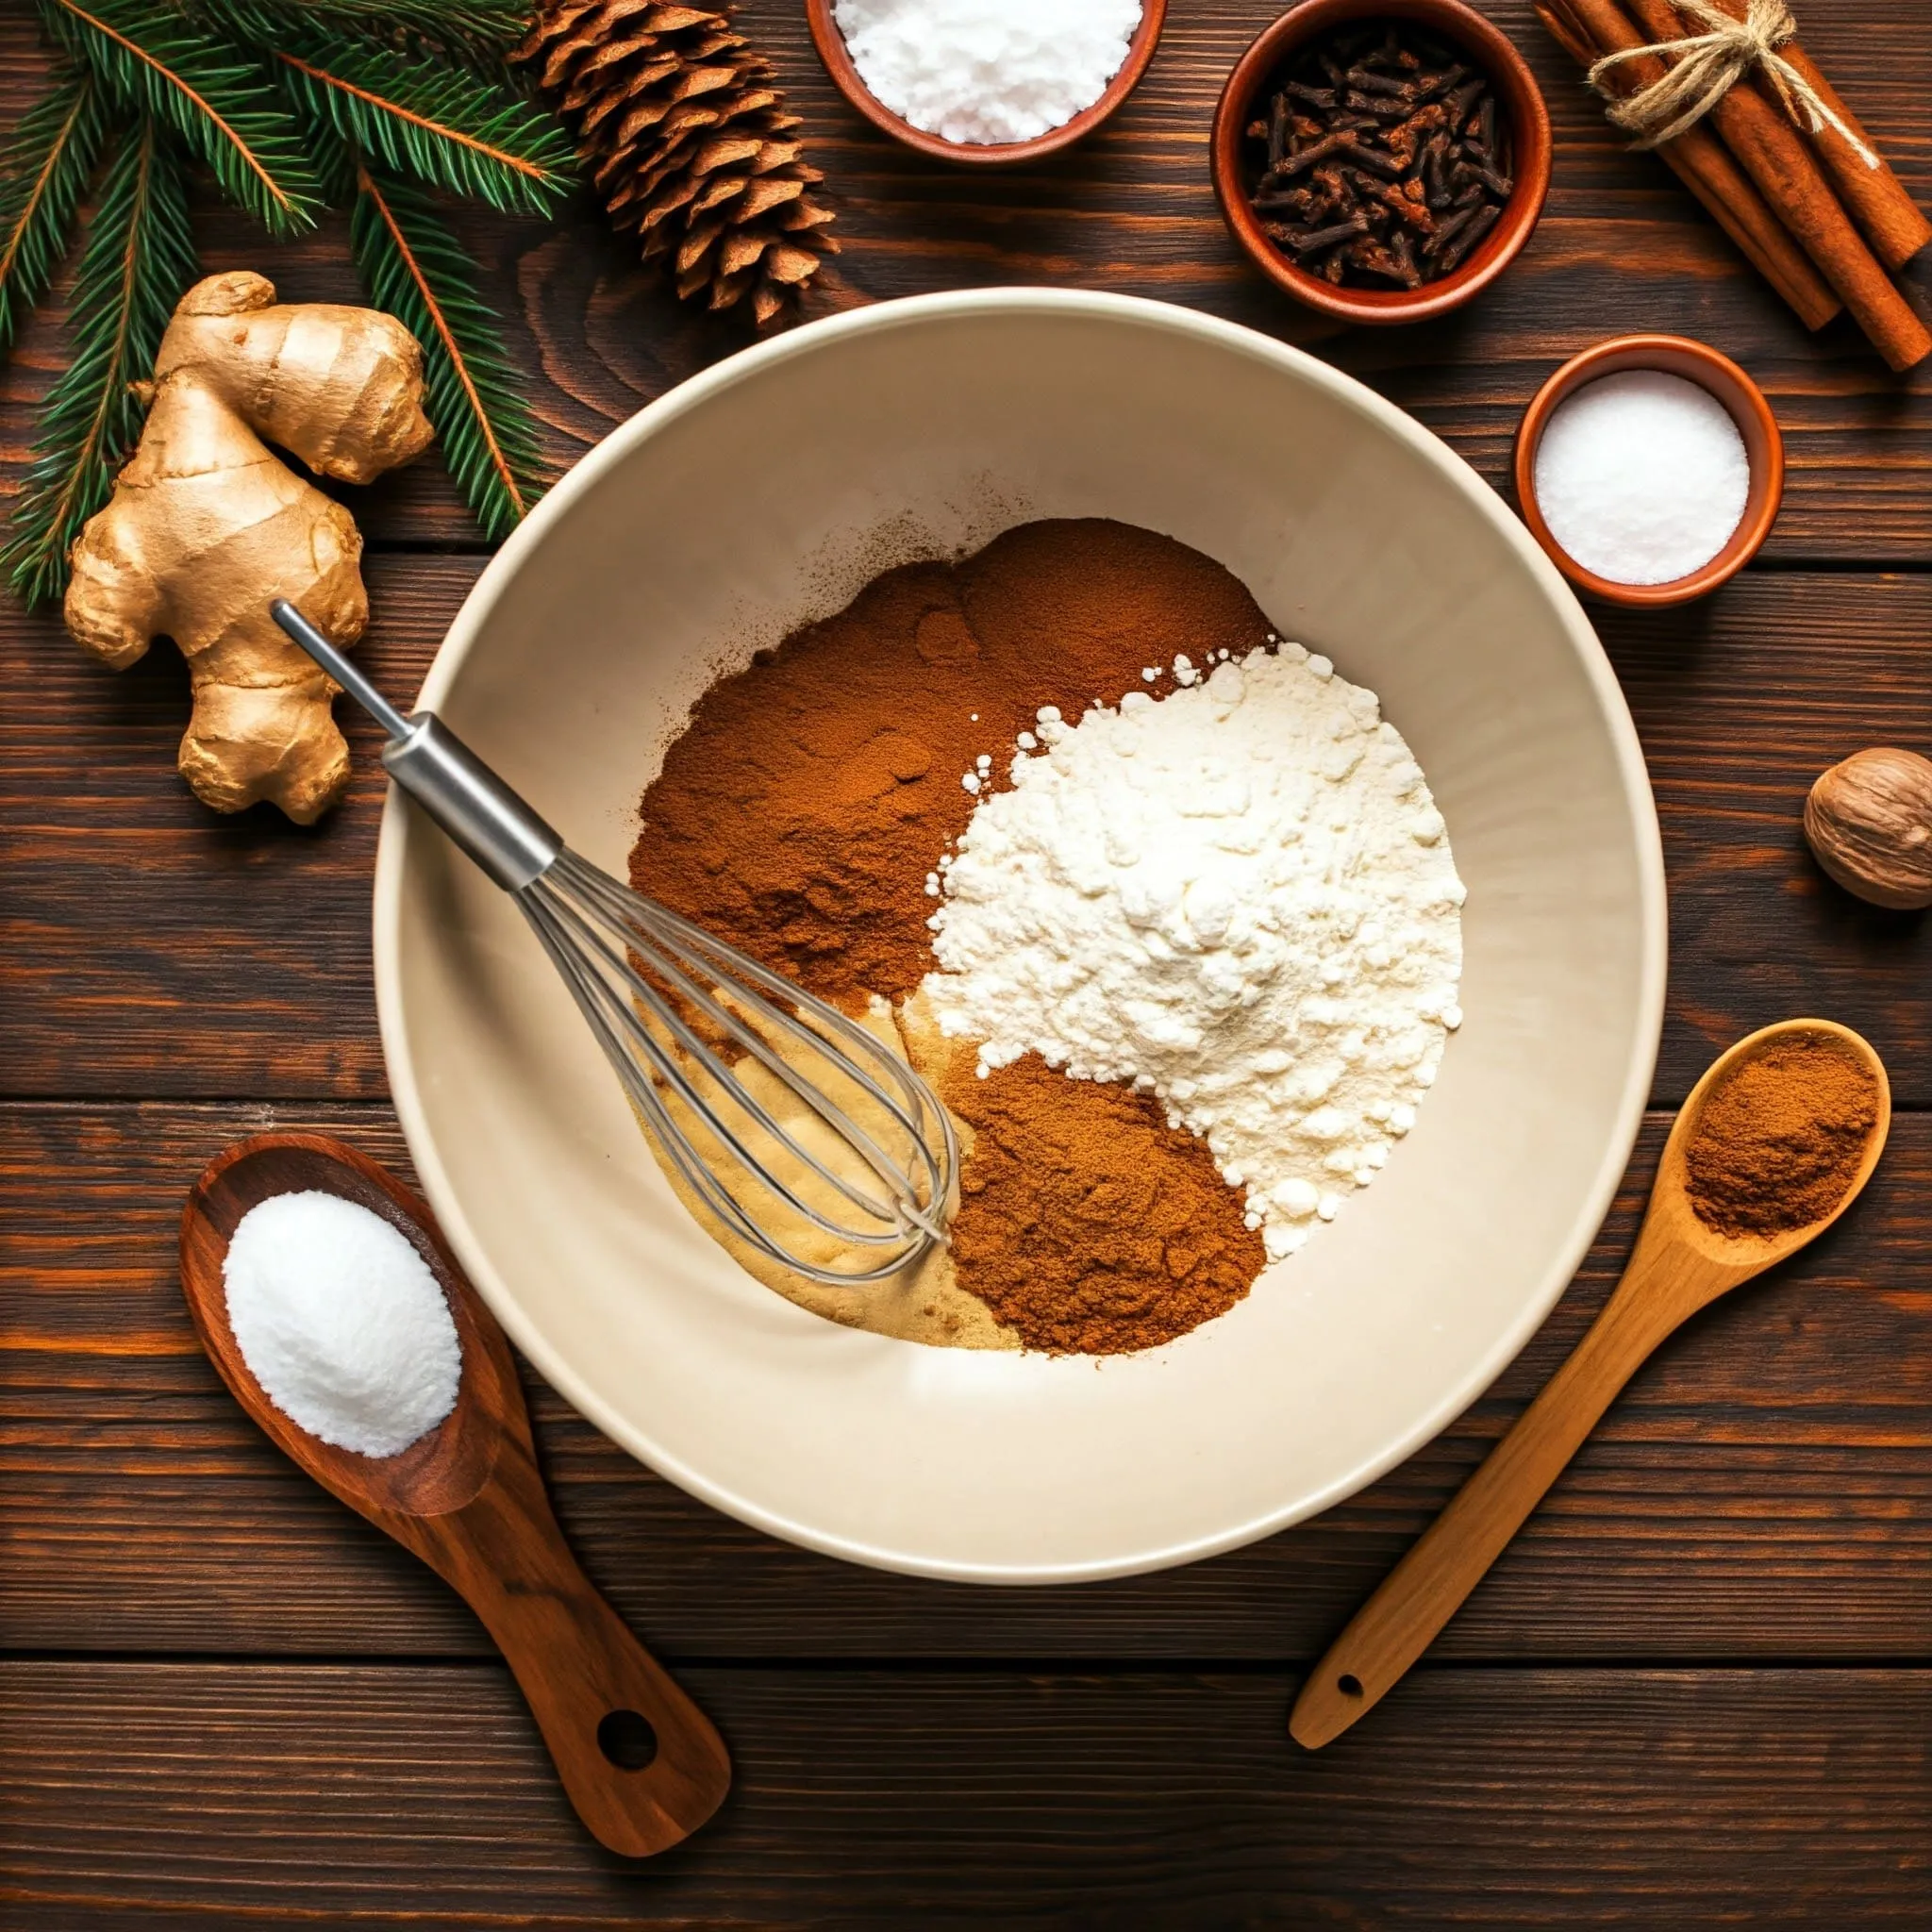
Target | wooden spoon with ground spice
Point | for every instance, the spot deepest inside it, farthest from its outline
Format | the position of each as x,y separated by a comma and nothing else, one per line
1772,1145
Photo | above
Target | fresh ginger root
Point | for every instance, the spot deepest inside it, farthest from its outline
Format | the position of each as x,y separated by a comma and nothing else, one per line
207,526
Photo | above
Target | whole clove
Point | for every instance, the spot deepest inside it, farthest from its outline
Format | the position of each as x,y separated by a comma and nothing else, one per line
1381,158
1456,252
1324,237
1373,159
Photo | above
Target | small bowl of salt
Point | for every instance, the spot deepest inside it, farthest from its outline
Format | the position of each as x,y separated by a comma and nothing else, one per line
986,80
1650,468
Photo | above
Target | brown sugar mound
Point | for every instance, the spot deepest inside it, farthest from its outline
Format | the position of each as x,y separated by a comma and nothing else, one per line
1779,1143
812,794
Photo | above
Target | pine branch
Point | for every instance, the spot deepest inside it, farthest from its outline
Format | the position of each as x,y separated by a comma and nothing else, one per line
139,259
458,27
43,173
465,132
213,95
417,269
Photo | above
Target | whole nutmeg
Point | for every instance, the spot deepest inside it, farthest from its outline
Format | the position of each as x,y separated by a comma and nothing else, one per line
1869,821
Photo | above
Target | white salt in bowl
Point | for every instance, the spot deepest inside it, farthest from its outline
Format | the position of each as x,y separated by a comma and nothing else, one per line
1720,377
922,428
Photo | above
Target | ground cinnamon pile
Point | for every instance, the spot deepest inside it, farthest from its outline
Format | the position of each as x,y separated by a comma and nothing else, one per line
1087,1223
804,808
1779,1143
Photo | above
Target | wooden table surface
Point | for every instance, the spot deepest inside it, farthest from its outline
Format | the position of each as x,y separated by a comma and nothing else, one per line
1698,1690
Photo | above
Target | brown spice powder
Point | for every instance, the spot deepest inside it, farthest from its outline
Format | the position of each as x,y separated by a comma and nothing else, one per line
1780,1140
809,796
1093,1226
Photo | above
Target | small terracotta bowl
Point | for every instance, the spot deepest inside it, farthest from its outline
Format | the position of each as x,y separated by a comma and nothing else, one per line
1764,448
1518,98
839,64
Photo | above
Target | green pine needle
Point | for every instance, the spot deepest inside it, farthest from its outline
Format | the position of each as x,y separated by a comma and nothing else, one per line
213,95
43,173
458,26
449,127
140,256
417,269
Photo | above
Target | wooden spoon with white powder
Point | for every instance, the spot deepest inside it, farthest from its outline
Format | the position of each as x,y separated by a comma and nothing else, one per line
640,1761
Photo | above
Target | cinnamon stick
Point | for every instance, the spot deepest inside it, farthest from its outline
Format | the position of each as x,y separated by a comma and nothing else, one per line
1787,174
1875,197
1699,160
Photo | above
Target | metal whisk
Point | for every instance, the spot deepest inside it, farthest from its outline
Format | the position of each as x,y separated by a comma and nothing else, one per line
647,982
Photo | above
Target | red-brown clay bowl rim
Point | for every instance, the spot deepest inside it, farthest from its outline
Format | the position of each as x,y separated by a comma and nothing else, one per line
839,64
1517,94
1764,449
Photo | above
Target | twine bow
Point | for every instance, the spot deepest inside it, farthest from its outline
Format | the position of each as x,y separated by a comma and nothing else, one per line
1707,66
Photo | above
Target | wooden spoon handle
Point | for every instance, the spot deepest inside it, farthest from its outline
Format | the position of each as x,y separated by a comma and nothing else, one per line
638,1760
1455,1553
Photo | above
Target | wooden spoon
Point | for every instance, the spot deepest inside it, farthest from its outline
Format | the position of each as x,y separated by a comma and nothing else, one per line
640,1761
1678,1266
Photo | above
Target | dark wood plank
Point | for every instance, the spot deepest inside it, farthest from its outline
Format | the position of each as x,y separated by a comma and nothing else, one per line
1765,1489
1621,247
1740,702
152,948
226,1795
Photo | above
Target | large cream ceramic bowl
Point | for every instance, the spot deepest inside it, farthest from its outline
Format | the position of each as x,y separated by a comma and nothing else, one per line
767,492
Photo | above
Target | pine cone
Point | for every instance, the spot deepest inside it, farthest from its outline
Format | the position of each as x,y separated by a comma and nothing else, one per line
688,143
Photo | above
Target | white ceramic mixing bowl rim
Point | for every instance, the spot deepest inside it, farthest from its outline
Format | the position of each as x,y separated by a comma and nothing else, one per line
399,826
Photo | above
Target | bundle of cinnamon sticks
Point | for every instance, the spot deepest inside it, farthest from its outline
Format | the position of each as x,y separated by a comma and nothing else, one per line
1819,223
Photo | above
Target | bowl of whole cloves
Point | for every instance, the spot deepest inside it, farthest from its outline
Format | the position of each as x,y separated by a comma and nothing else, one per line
1382,160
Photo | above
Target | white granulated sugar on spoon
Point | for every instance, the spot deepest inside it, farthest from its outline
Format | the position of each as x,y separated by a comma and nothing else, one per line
340,1320
984,72
1240,896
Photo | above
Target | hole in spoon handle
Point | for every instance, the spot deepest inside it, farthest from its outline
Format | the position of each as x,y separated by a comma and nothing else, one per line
627,1739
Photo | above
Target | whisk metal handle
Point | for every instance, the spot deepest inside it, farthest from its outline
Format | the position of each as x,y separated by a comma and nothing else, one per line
441,773
470,802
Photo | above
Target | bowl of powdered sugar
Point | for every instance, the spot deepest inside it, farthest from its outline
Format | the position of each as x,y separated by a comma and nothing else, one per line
1222,801
986,80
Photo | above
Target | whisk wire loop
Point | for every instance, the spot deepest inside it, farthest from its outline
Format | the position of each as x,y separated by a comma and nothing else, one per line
590,993
654,932
636,970
673,1072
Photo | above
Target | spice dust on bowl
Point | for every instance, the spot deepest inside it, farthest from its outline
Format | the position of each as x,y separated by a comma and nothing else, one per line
1650,469
986,80
1157,901
1381,163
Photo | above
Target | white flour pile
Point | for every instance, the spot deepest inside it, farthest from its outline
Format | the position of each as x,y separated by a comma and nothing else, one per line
986,71
1240,896
342,1323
